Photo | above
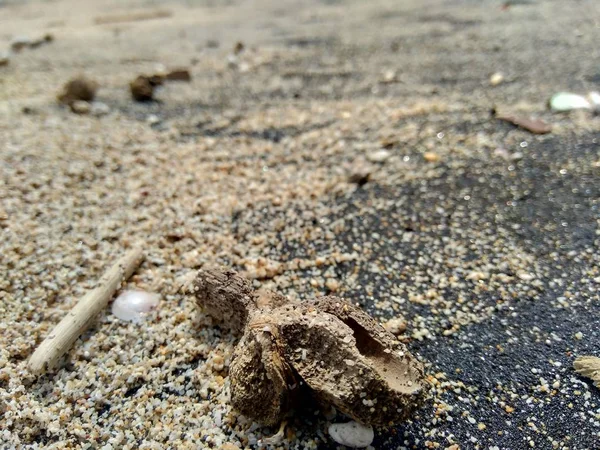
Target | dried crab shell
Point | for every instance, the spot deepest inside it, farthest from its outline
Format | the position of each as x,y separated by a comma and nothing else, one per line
329,346
347,360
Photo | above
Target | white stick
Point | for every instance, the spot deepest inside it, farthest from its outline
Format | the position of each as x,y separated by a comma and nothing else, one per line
83,314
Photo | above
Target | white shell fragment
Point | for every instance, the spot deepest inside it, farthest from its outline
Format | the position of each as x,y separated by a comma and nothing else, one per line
352,434
565,101
133,306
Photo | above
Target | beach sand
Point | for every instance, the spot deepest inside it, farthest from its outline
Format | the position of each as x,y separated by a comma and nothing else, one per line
483,236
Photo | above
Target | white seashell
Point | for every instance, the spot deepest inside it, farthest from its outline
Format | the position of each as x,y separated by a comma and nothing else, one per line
133,306
565,101
352,434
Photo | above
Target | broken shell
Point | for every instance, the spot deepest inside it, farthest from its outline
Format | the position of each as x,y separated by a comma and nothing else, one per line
225,296
260,378
327,345
133,306
230,298
340,371
352,434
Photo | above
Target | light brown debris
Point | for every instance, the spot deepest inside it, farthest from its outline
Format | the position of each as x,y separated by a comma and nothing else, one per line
133,16
326,349
178,75
589,367
535,126
431,157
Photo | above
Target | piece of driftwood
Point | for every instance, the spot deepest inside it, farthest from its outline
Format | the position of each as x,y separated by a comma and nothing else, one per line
134,16
535,126
81,316
326,349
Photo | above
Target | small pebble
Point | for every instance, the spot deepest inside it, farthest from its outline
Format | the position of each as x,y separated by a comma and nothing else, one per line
431,157
80,88
99,109
152,119
4,58
142,89
238,48
80,107
379,156
133,306
352,434
396,326
496,79
389,76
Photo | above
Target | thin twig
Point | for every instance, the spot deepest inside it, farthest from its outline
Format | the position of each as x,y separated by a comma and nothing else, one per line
83,313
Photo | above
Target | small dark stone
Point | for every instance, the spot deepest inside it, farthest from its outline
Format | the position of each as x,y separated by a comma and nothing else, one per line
142,88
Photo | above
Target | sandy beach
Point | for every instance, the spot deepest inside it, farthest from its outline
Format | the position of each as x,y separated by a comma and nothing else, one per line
321,147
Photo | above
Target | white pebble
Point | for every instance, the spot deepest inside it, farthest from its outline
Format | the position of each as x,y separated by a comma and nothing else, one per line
99,109
496,79
352,434
379,156
565,101
133,306
80,107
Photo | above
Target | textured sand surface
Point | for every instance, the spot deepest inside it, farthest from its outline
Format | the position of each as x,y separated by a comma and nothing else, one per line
483,236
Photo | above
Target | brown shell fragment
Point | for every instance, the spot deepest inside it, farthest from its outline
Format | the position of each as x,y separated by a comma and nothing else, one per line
260,380
349,360
225,296
327,345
